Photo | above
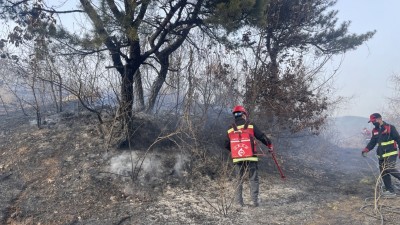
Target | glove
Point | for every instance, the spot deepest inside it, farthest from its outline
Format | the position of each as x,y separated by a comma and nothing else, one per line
364,152
271,148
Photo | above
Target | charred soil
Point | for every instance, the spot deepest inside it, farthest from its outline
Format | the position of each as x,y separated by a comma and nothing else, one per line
65,173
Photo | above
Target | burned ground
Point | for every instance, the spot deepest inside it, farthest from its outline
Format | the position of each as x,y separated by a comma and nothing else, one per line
65,173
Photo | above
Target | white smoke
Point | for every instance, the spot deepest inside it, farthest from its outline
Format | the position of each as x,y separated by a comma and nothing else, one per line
181,161
150,168
129,162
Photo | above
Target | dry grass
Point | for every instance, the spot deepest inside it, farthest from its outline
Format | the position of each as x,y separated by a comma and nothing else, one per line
61,175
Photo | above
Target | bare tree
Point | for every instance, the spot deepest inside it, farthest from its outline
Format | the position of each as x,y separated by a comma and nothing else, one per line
133,32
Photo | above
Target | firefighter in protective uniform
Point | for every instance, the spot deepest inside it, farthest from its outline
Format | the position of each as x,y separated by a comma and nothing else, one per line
246,162
387,138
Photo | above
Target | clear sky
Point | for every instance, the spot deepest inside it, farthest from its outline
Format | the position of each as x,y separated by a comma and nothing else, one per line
365,73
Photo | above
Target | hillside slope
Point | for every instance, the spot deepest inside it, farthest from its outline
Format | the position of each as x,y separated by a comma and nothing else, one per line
64,173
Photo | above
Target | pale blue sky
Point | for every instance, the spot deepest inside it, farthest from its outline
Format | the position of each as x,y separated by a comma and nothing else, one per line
365,73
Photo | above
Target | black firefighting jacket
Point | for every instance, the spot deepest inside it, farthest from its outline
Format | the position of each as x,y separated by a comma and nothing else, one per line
387,139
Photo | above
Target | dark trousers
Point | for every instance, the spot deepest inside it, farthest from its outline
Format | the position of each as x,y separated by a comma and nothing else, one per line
387,166
250,168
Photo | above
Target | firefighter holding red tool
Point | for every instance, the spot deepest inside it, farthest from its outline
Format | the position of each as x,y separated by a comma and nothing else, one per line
240,141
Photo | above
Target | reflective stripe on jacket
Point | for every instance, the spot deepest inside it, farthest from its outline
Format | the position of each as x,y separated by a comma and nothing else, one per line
249,127
386,137
253,159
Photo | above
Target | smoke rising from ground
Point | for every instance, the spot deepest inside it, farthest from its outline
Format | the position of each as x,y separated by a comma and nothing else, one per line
151,166
127,162
181,161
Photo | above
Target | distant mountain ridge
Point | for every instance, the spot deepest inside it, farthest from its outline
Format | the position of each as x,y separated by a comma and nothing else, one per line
352,123
348,130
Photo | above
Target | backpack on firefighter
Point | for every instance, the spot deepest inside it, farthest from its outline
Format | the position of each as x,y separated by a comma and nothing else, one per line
242,141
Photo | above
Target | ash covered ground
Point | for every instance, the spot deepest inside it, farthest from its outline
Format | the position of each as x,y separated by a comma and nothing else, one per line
66,173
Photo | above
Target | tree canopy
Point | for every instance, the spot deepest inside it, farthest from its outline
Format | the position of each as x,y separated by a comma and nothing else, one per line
291,31
146,34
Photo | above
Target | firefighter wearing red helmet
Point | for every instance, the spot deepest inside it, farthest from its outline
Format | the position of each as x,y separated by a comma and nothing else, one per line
387,138
241,143
239,109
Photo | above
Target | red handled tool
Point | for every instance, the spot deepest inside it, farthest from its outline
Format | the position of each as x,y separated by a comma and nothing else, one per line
277,165
274,158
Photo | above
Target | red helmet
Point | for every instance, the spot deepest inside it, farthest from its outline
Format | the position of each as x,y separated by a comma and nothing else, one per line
239,108
373,117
